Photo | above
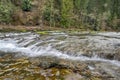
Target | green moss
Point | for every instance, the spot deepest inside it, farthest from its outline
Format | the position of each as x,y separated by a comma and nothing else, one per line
64,72
95,78
42,32
23,30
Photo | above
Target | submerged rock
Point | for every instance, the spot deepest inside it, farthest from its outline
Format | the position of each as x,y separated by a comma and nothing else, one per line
42,68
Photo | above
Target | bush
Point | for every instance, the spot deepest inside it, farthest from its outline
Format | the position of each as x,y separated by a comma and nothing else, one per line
6,10
26,5
46,14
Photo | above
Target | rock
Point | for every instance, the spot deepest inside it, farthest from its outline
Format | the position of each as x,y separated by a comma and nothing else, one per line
52,62
117,55
73,77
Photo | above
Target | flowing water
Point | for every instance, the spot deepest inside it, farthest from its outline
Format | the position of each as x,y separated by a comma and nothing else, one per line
100,51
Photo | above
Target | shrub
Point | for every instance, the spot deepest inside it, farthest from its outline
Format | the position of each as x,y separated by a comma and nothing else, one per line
26,5
6,10
66,13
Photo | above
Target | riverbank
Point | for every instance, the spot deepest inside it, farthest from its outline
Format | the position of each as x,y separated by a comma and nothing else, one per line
22,28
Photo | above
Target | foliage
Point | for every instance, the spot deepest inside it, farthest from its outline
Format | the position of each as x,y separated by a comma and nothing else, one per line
52,12
26,5
98,13
66,12
58,12
83,14
6,11
91,14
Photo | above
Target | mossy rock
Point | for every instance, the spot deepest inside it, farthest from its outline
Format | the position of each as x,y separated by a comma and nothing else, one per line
94,78
42,32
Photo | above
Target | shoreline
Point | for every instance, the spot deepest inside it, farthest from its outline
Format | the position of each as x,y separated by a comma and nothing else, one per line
23,28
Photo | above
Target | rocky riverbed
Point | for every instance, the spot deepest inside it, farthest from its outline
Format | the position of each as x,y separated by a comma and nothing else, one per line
55,55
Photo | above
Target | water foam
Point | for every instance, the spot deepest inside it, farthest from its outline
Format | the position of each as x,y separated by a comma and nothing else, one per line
33,51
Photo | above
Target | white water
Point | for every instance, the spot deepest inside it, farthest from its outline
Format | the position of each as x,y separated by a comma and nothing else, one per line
33,51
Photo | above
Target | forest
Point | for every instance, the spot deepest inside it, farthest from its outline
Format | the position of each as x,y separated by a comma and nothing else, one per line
83,14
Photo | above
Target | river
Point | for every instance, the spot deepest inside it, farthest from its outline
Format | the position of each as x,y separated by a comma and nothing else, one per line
99,50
